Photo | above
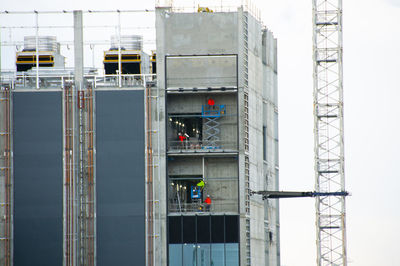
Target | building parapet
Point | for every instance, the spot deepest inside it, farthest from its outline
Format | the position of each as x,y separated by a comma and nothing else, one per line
182,6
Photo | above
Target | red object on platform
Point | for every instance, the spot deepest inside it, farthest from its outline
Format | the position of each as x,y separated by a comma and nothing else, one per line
208,201
211,102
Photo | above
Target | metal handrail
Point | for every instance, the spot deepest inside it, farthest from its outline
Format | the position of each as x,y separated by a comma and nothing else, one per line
59,78
201,207
201,145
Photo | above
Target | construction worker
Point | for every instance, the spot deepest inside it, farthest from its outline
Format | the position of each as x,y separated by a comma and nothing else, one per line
201,185
181,138
208,203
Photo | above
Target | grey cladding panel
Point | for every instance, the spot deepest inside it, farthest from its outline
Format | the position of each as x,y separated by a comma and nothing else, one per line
120,176
201,71
38,178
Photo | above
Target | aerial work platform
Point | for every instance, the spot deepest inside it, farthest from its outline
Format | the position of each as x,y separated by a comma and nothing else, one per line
211,114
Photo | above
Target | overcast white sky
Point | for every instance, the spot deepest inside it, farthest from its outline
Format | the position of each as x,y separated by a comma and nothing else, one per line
372,115
372,131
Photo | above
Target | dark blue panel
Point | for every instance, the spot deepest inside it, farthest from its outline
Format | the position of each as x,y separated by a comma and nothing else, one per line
120,178
231,228
175,229
38,178
189,229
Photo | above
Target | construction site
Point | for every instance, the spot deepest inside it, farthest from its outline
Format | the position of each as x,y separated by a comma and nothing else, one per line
148,147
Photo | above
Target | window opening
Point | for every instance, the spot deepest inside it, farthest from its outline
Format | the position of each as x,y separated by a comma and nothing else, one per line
186,131
186,194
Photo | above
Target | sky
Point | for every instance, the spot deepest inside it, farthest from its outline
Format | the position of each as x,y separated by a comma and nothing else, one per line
371,31
371,64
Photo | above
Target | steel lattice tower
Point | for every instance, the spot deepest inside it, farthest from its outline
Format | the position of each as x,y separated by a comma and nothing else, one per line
328,131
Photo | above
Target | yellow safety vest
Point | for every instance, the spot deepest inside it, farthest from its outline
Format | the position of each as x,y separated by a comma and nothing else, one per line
200,184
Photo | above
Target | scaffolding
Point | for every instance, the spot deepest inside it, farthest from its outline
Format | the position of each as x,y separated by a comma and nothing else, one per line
153,171
149,181
328,132
5,176
79,191
69,178
86,178
245,74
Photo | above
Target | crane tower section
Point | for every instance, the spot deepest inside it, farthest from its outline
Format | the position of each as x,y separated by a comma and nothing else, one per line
328,132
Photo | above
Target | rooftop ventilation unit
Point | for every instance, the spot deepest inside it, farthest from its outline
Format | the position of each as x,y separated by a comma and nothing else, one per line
48,51
133,59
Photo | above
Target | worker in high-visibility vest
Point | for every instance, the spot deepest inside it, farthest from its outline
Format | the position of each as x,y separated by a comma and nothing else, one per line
208,203
201,184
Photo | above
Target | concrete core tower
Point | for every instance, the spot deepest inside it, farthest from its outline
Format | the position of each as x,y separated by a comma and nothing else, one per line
217,83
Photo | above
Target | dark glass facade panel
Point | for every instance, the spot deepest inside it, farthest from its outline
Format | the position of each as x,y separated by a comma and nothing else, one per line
189,229
231,229
203,229
175,230
217,229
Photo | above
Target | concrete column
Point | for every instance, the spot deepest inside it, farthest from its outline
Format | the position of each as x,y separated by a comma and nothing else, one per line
76,120
78,49
160,188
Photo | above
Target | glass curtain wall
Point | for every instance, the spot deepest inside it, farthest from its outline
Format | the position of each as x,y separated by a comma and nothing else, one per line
204,240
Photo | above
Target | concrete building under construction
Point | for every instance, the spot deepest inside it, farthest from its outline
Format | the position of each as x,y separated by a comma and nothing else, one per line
152,161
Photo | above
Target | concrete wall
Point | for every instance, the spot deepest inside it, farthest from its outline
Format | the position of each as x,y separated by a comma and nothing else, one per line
221,179
262,91
271,165
198,33
255,88
201,71
185,166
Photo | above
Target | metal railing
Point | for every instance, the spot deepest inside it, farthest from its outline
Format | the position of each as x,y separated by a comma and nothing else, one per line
57,79
202,146
127,80
201,207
